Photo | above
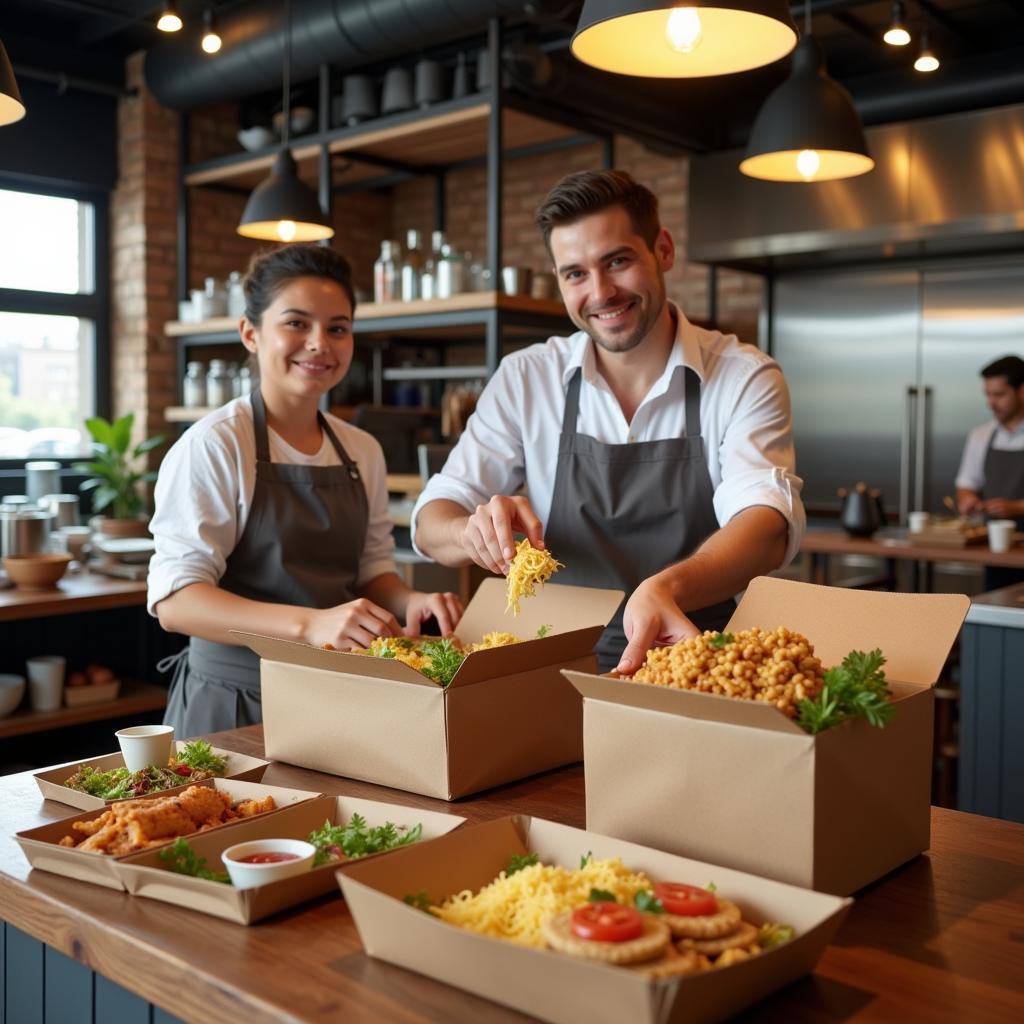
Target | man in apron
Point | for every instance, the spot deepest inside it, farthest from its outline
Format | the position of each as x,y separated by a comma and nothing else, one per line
991,476
656,457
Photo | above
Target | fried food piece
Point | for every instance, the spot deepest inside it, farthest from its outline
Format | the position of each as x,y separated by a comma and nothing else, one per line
744,935
201,803
88,828
672,963
706,926
734,956
655,940
249,808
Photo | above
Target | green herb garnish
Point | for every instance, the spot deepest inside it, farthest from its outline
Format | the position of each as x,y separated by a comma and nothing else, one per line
771,935
519,861
404,642
355,839
199,754
586,859
543,631
648,902
601,896
420,900
384,652
180,857
445,659
720,640
711,887
854,689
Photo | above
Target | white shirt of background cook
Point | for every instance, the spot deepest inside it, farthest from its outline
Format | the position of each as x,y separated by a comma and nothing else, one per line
511,440
971,476
204,497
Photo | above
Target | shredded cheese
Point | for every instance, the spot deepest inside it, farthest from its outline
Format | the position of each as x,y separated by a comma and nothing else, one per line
514,907
496,639
528,568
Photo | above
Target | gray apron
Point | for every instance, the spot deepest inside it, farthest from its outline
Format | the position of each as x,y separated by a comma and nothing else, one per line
623,512
301,545
1004,478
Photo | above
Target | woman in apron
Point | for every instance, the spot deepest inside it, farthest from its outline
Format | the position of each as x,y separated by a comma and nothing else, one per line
271,516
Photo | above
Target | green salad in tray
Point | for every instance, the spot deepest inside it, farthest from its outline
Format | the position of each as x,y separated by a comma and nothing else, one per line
195,762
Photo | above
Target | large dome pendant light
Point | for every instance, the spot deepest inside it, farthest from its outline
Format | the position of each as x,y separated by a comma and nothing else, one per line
11,107
808,129
282,208
682,38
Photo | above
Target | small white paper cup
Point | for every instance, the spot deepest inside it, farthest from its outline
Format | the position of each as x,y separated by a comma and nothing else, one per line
248,876
46,682
1000,534
917,521
145,745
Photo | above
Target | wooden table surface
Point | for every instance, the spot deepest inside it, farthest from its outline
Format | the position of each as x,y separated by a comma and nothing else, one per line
836,542
941,939
75,592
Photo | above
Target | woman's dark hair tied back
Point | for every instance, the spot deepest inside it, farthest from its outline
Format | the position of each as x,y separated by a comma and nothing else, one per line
271,269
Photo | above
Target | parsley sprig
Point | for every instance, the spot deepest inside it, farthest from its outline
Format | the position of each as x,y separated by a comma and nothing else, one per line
356,839
199,754
771,935
854,689
445,659
180,857
518,861
720,640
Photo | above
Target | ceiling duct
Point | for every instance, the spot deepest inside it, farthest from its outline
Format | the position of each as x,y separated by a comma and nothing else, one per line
344,33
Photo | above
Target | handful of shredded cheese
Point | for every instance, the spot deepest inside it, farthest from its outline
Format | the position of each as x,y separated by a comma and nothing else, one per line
528,568
514,907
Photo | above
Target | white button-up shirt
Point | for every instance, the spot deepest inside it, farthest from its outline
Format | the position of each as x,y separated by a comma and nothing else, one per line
972,466
511,441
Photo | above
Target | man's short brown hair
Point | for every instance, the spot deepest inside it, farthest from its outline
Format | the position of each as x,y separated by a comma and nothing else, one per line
586,192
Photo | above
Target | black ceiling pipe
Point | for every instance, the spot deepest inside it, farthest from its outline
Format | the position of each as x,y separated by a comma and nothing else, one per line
344,33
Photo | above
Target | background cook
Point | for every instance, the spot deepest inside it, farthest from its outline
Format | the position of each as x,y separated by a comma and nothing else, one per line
271,516
656,456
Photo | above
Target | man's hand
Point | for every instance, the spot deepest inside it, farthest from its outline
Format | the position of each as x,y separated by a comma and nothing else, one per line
1003,508
968,502
651,617
487,535
446,608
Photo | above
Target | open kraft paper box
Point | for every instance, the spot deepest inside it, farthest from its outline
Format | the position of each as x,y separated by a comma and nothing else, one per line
144,874
51,781
561,988
506,714
736,782
42,850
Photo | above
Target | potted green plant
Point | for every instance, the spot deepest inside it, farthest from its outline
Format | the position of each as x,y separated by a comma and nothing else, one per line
113,478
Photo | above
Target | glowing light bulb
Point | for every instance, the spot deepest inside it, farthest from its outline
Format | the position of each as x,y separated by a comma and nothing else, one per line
808,163
169,22
211,42
897,36
286,230
683,30
926,62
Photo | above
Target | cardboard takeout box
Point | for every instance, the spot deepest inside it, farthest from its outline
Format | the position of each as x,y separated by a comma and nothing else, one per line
738,783
42,850
506,714
51,780
144,874
561,988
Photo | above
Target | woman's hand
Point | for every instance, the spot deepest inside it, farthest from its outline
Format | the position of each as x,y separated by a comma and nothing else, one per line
651,618
487,535
353,624
446,608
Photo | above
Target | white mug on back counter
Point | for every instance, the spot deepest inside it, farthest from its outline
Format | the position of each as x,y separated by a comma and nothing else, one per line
46,682
918,521
1000,534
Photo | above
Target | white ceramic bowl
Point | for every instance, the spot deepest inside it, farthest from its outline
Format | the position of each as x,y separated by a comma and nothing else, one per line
248,876
12,689
256,137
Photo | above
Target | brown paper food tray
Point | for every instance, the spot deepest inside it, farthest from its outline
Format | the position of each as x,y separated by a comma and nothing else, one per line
77,696
50,780
833,811
381,721
560,988
41,849
949,538
145,875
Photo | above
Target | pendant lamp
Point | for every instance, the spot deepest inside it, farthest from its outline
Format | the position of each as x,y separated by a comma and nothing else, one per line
282,208
11,107
808,128
682,38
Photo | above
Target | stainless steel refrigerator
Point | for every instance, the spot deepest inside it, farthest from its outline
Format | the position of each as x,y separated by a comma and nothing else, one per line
883,368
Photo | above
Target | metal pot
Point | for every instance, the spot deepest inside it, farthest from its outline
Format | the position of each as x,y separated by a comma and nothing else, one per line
24,533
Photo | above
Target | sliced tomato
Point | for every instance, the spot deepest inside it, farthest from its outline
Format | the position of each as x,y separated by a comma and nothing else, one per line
685,900
607,922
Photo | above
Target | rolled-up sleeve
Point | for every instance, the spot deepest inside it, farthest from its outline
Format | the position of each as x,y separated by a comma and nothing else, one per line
757,457
488,458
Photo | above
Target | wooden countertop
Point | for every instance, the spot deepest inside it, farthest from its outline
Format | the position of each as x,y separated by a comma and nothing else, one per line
939,939
836,542
75,592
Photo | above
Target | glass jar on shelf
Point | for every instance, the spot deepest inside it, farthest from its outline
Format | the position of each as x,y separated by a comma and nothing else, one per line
451,273
236,294
216,303
219,386
412,265
193,390
428,276
385,272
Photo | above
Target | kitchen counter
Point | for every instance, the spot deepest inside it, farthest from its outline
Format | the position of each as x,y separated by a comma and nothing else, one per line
1003,607
936,940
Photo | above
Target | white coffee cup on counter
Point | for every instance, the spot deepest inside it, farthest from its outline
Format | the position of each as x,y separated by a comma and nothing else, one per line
143,745
46,682
1000,534
918,521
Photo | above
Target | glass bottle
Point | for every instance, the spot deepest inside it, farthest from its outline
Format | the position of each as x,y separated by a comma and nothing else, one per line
428,276
193,391
216,298
219,387
412,264
451,273
236,294
244,383
385,272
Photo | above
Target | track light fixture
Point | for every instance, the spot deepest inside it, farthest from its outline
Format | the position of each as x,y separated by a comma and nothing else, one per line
211,42
169,21
896,34
926,59
11,107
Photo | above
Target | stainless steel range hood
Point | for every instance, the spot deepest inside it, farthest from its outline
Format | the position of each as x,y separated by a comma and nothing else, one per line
952,184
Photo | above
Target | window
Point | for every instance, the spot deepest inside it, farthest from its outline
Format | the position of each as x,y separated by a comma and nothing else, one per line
52,313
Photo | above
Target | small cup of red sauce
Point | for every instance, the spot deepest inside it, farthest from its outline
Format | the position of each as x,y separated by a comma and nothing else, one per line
267,860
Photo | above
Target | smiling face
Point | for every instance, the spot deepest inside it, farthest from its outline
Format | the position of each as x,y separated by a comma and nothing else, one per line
303,342
612,284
